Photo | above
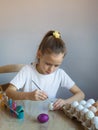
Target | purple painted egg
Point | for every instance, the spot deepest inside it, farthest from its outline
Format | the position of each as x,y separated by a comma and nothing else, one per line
43,118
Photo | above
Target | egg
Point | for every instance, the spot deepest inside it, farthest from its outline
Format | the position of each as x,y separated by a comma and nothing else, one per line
85,110
42,118
82,102
82,114
96,113
96,126
51,106
95,121
93,109
96,105
91,101
79,107
87,105
89,115
74,104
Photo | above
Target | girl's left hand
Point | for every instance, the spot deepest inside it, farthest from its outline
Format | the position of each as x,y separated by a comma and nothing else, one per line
58,104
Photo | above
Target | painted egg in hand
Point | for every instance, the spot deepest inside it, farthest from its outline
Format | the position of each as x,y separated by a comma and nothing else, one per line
43,118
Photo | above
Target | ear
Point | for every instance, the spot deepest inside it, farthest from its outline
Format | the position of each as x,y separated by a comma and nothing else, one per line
39,54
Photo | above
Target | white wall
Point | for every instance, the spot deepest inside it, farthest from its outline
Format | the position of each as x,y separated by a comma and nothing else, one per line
23,23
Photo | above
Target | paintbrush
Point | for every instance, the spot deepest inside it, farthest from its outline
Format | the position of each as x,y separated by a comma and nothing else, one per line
36,85
11,108
40,89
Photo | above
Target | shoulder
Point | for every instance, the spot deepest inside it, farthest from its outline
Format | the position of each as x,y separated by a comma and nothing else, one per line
61,71
27,68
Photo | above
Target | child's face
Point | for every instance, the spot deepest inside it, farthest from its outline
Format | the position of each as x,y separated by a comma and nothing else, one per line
48,63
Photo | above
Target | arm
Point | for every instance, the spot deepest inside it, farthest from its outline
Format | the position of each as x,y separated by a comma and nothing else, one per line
78,95
12,93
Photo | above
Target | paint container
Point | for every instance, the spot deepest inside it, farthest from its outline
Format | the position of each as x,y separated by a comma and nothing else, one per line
20,112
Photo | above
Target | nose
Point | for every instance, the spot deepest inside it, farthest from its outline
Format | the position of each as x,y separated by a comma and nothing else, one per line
51,69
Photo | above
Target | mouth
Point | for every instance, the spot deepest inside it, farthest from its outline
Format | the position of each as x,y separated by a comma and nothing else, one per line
48,72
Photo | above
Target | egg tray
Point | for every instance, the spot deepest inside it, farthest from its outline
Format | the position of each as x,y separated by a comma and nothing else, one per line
72,113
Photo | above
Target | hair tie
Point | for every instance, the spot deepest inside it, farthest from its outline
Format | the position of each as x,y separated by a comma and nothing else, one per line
56,34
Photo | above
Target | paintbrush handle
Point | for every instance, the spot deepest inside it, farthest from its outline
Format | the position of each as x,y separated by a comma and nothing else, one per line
36,85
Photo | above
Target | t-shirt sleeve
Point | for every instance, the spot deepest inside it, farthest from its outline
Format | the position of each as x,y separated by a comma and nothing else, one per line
19,80
66,80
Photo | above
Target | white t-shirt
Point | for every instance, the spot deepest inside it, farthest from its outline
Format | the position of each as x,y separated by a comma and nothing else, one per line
49,83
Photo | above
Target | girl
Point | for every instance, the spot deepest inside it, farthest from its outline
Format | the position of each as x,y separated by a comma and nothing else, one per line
42,79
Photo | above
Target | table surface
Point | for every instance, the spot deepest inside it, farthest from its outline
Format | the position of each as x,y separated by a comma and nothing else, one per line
57,119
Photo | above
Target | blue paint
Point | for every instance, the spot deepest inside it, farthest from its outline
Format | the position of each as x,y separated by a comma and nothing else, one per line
20,111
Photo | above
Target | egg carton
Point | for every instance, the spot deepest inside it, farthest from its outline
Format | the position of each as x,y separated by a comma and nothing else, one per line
84,112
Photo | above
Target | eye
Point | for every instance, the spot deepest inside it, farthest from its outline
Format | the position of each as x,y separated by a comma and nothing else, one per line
48,64
57,65
52,65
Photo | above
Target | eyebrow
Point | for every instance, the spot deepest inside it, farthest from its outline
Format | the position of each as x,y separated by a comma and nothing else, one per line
53,64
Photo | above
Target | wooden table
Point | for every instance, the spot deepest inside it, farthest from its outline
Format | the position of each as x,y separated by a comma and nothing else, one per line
57,119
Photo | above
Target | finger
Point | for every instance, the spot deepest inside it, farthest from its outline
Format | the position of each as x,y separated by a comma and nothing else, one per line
44,93
58,105
41,96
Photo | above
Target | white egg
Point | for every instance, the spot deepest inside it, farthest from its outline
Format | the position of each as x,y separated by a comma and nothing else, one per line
95,121
82,114
91,101
96,126
74,104
82,102
51,106
87,105
85,110
89,115
79,107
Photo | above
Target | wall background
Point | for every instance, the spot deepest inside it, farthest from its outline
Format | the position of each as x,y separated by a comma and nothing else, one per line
23,23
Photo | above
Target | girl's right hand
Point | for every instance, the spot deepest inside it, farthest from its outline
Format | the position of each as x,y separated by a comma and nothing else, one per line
38,95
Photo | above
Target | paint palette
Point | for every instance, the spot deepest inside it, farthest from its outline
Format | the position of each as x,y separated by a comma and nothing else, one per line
14,109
